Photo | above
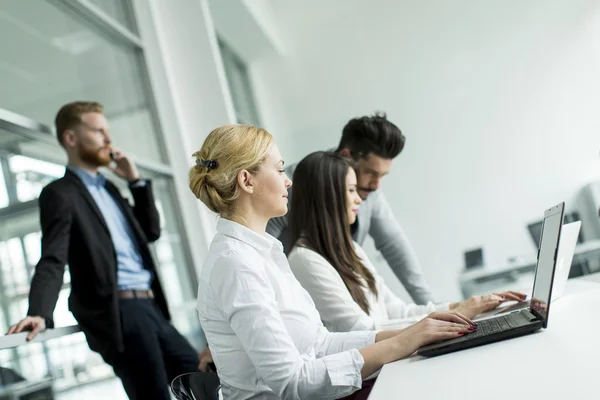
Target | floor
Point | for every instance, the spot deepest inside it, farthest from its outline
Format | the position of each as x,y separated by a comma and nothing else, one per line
107,389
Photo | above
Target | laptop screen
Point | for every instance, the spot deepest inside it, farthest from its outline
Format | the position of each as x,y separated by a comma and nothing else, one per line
540,299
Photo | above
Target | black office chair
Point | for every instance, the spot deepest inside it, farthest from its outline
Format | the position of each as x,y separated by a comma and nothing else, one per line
196,386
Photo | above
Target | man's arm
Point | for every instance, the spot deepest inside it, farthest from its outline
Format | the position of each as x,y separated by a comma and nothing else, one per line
397,251
55,218
145,210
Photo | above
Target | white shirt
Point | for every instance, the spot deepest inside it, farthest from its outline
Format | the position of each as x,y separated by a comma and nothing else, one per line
263,329
339,311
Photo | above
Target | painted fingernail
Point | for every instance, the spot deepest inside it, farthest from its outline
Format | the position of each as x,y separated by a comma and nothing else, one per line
461,333
472,328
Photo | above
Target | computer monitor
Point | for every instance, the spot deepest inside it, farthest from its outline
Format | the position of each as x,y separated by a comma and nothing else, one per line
572,217
535,228
474,258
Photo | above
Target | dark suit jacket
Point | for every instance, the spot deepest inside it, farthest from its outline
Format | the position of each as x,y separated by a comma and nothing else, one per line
74,232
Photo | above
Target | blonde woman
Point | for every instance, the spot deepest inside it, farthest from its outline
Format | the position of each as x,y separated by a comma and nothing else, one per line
265,334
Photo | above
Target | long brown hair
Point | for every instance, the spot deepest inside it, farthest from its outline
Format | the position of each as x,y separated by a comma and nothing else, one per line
319,219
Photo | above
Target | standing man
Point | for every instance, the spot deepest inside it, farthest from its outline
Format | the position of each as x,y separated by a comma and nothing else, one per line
116,295
373,143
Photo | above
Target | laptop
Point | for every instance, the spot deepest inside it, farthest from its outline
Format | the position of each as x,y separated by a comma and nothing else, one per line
524,321
566,249
569,237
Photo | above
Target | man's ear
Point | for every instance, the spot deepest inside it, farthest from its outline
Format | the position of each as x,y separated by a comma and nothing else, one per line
345,152
245,181
69,139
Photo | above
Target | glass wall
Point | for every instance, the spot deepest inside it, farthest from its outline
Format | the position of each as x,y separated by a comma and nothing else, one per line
70,50
60,57
120,10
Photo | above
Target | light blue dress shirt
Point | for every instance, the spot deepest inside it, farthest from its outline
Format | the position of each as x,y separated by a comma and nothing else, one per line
131,273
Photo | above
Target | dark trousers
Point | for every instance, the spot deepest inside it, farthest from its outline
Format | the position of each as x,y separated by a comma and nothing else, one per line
155,353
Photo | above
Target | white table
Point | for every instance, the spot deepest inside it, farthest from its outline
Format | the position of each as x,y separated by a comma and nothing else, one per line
561,362
591,277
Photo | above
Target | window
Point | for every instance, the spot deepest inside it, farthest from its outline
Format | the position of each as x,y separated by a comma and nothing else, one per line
71,50
238,80
59,58
120,10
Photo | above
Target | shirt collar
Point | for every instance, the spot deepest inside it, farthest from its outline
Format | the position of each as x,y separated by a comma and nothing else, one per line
262,243
88,178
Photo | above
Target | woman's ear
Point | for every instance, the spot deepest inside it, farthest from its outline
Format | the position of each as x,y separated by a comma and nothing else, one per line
245,181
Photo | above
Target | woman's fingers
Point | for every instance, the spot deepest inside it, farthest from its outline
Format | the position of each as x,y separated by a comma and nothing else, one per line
447,330
519,295
512,295
441,326
464,319
490,305
451,317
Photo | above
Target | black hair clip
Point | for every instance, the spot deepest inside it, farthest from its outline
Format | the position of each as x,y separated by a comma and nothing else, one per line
210,164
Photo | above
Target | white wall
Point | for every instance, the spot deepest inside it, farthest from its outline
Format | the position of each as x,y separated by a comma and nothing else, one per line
250,29
499,102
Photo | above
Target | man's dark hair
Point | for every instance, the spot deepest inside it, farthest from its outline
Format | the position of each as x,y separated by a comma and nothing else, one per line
374,134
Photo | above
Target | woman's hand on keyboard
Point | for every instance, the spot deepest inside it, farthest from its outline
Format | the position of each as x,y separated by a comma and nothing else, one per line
511,295
435,327
475,305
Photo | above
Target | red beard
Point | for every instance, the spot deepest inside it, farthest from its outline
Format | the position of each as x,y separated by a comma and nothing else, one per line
99,157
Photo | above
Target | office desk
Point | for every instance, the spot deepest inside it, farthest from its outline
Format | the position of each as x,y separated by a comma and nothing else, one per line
485,280
595,277
561,362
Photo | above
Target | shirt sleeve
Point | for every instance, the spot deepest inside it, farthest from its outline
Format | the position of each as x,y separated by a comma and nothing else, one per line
336,306
249,303
391,241
56,220
337,342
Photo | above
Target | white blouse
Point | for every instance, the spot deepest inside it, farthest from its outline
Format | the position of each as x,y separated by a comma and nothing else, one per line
339,311
264,332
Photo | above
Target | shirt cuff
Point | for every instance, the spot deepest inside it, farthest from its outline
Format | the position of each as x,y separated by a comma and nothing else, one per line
444,307
137,184
344,369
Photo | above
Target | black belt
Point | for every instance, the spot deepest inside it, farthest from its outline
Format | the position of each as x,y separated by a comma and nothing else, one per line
135,294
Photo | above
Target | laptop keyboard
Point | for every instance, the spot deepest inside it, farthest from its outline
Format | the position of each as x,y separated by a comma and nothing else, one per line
492,325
